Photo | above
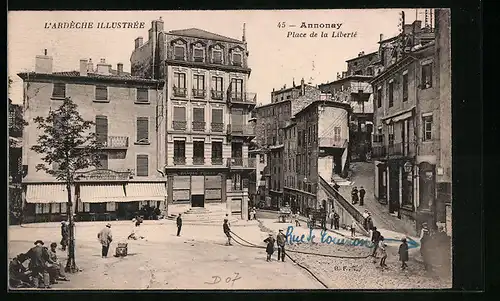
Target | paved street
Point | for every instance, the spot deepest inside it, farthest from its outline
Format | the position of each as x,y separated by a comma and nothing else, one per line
164,261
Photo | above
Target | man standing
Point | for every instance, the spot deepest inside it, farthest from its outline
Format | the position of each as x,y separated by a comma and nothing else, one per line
227,231
375,240
280,241
336,222
365,220
424,248
362,193
179,225
38,256
354,195
331,216
64,235
105,238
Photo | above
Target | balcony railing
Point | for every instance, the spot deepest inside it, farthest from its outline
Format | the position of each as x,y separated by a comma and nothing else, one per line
240,97
199,93
179,160
179,125
217,127
236,162
198,126
198,161
179,92
118,142
217,160
240,130
332,142
401,149
217,95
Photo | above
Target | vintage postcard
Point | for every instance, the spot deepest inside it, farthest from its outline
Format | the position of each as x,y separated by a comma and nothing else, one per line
228,150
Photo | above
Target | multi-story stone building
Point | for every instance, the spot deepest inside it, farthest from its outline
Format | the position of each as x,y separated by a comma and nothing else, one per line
16,125
207,129
129,113
406,142
316,144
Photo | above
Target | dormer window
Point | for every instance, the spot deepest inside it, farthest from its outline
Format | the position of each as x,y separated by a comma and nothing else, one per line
179,52
237,59
217,56
198,55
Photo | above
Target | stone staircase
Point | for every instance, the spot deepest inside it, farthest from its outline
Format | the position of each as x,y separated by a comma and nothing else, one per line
210,215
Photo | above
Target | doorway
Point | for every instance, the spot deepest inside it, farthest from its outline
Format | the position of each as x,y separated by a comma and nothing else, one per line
382,181
427,182
198,200
393,188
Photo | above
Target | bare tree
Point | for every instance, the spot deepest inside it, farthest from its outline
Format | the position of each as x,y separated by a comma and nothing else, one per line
67,141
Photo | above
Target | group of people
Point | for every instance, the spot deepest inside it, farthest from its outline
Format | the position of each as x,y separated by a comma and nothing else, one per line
280,243
380,249
358,195
44,268
150,213
367,220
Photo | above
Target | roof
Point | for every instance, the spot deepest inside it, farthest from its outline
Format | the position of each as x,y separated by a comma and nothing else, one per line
350,77
90,75
361,56
203,34
272,104
296,87
343,105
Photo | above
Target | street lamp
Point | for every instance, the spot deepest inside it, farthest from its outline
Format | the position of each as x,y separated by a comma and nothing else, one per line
407,167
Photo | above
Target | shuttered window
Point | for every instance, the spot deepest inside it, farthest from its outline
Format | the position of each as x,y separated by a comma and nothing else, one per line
142,129
198,55
179,149
142,165
179,52
142,95
237,59
179,114
59,91
101,93
101,128
217,56
199,114
217,116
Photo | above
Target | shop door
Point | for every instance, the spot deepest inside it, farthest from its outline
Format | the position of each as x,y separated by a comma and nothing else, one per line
393,189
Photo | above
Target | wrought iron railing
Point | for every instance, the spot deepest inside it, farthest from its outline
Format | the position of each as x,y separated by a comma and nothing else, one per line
217,95
199,93
217,127
180,92
179,160
179,125
217,160
242,162
198,126
240,130
198,161
332,142
248,97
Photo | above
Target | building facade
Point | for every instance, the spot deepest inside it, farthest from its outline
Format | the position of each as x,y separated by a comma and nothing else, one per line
406,140
316,145
207,130
16,125
129,115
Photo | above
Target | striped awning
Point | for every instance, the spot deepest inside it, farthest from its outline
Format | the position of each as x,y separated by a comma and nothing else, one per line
146,191
47,193
102,193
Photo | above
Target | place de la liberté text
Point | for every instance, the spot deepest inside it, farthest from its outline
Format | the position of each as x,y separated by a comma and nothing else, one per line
314,34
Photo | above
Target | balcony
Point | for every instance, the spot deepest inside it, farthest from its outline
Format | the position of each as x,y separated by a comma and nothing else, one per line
198,161
198,126
217,95
238,162
249,99
217,161
179,125
217,127
199,93
365,107
401,150
332,142
180,92
179,160
241,130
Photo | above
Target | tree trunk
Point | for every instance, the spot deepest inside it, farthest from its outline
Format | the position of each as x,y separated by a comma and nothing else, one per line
71,263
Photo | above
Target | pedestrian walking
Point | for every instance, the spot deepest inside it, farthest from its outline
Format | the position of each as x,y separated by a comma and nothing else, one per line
64,235
383,252
354,195
336,218
365,219
280,241
270,246
362,193
227,231
179,225
254,213
297,221
105,238
353,228
375,240
424,247
403,253
369,221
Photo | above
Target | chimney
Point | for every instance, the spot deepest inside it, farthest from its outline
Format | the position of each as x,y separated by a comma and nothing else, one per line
90,66
302,86
417,26
361,53
284,86
83,67
119,69
103,68
344,74
381,37
138,42
43,63
408,28
338,75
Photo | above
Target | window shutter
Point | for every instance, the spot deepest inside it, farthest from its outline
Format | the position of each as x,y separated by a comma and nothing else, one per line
59,90
217,56
179,114
101,129
179,148
142,165
198,53
142,95
237,59
199,114
142,129
217,116
179,52
101,93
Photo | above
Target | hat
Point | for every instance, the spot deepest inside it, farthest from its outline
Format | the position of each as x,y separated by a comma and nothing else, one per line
63,222
281,230
53,244
424,224
270,234
403,239
108,225
38,242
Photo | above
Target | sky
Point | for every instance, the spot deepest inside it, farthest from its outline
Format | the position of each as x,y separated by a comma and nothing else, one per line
275,59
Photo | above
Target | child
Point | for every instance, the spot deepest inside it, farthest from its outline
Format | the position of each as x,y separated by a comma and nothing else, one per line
270,246
382,251
403,253
353,228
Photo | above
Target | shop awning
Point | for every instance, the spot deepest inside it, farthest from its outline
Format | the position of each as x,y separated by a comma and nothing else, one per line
146,191
400,116
47,193
102,193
